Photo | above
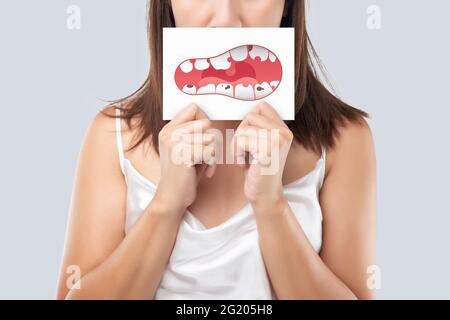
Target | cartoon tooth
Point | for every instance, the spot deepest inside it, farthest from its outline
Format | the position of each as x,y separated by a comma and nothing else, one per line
201,64
244,92
262,90
221,62
274,84
260,52
189,89
241,73
186,66
272,57
225,89
239,53
209,88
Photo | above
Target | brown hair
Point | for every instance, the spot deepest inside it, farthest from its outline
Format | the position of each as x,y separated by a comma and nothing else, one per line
318,113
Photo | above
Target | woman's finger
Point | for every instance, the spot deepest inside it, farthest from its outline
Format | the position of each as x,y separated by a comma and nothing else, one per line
258,120
267,110
186,114
201,138
210,170
197,154
244,140
196,138
197,125
189,113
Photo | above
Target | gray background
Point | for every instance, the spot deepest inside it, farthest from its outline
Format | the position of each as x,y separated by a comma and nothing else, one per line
52,82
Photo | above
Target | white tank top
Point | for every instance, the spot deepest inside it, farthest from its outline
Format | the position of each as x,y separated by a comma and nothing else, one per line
223,262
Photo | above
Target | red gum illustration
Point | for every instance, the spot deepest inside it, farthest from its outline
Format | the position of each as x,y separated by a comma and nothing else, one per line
247,72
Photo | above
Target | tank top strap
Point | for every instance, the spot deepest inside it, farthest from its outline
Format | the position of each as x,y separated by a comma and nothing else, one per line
324,153
119,140
323,158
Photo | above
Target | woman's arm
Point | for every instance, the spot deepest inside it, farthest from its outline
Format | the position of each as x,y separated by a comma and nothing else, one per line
348,204
112,266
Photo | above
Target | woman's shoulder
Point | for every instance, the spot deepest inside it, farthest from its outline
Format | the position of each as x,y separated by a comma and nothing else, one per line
106,124
101,132
353,146
104,120
108,129
353,135
99,142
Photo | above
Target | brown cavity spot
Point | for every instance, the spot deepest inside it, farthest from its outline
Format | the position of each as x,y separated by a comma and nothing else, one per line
250,47
190,85
227,87
259,88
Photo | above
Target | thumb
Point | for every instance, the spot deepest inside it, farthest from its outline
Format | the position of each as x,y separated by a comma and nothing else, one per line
210,170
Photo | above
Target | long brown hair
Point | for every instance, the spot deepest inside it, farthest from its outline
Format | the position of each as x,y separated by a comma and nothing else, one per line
318,113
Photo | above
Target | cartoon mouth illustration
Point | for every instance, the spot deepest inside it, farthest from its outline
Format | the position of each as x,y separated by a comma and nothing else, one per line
247,72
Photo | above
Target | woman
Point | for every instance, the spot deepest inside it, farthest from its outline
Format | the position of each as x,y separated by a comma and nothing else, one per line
145,227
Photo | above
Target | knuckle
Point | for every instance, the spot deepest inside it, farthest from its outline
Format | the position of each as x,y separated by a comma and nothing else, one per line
206,123
264,104
287,133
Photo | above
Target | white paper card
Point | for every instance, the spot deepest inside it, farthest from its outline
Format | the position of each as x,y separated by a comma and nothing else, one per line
228,71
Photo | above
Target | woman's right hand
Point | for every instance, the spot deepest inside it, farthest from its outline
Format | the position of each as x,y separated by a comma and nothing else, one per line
186,152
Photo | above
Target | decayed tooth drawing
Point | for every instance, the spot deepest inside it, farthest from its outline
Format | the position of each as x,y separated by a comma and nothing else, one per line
262,90
225,89
247,72
260,52
221,62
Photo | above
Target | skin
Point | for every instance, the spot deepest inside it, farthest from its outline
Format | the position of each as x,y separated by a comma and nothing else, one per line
116,266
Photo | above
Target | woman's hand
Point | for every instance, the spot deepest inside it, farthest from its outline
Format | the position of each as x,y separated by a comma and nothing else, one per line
186,151
265,138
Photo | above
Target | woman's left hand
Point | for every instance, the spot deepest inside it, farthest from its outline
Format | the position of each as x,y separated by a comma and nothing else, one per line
265,140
